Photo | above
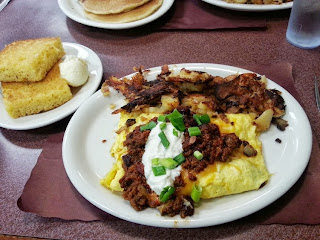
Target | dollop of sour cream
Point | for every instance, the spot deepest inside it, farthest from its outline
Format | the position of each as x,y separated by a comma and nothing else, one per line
155,149
74,70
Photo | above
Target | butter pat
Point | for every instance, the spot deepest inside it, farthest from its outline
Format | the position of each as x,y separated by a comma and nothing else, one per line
74,70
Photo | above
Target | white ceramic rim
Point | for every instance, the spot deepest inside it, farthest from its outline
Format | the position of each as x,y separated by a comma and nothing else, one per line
3,4
250,7
74,10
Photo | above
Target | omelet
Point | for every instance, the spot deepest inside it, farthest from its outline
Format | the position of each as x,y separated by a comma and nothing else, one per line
239,174
210,149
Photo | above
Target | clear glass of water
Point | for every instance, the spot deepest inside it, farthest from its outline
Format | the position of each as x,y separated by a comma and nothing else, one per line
304,24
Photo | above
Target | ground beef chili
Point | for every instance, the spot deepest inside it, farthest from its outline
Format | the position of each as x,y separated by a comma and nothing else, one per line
211,143
135,142
182,205
134,184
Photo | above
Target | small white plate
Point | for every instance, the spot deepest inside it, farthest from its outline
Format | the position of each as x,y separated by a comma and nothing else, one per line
250,7
74,10
80,94
87,159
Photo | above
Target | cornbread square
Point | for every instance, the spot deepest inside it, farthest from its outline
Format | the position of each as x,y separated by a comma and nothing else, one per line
29,60
27,98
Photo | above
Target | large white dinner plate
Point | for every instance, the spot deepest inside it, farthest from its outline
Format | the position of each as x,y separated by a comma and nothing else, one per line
3,3
250,7
80,94
87,159
74,10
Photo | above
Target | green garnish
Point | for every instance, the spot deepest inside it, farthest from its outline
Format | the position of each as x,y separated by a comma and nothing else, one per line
176,118
155,161
162,118
144,127
197,118
152,124
179,158
175,132
148,126
166,193
205,118
175,114
158,170
168,163
200,119
163,125
164,139
198,155
194,131
196,192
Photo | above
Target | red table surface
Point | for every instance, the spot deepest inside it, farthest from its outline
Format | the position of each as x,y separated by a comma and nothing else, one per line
119,52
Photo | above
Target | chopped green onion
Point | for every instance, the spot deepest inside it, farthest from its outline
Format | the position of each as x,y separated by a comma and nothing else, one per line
178,124
148,126
162,118
175,114
168,163
197,118
176,118
205,118
164,139
196,192
179,158
152,124
144,127
175,132
163,125
200,119
198,155
166,193
158,170
155,161
194,131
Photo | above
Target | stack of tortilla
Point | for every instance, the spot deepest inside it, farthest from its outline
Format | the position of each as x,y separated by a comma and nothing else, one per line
119,11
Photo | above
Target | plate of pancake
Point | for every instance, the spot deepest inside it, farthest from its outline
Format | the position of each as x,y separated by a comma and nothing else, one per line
87,158
113,14
27,104
241,5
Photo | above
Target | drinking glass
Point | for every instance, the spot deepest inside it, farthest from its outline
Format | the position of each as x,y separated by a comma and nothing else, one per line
304,24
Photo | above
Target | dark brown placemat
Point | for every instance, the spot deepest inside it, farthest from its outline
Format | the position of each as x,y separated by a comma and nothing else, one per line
196,14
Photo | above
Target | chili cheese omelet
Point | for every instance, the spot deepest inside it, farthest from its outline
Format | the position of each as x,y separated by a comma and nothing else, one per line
211,146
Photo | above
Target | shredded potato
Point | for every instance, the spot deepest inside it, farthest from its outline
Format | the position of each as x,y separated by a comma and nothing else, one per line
264,120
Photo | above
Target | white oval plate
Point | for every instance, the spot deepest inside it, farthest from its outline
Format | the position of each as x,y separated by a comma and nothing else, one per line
80,94
250,7
87,159
74,10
